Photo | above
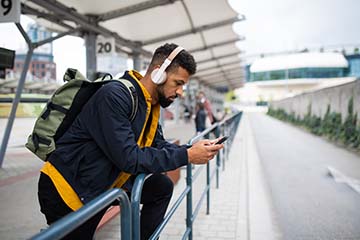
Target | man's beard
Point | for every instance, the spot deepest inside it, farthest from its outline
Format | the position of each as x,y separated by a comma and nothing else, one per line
164,102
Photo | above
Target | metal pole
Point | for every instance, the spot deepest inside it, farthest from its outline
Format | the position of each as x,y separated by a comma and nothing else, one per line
126,223
14,106
208,191
137,62
189,201
207,184
90,44
135,205
17,97
217,134
223,150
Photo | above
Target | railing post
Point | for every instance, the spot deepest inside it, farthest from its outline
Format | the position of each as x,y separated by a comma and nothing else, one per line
126,223
14,105
208,184
189,200
223,150
217,134
135,205
228,143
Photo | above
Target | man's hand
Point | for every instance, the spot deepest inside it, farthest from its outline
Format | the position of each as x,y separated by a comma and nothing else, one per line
203,151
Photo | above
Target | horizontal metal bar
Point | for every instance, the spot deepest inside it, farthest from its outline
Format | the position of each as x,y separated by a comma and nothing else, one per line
170,213
51,39
197,208
133,9
27,10
203,133
73,15
25,100
65,225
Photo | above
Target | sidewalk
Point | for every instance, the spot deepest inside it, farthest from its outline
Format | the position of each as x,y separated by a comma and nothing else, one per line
239,209
20,213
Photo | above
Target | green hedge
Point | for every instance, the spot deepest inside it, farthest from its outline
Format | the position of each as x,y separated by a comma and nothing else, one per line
331,126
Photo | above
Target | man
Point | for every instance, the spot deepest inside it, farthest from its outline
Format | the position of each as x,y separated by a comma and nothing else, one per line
200,118
207,105
102,148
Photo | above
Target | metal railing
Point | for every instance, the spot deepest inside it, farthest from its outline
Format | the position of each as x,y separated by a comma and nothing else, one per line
226,127
130,212
73,220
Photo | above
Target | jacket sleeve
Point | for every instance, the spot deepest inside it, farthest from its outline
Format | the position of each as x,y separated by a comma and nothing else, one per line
111,130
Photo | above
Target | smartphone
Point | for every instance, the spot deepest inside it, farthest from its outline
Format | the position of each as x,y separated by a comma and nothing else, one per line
223,139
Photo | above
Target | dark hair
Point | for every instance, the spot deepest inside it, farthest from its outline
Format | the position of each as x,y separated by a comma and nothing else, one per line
183,59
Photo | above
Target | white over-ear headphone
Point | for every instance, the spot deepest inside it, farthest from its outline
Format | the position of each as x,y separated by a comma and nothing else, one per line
158,75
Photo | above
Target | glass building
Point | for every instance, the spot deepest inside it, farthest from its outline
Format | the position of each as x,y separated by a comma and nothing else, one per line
277,77
304,66
354,65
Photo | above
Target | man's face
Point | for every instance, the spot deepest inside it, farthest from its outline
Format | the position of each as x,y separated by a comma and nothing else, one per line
173,86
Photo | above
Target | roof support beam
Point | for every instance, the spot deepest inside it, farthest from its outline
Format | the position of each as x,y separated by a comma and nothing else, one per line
221,80
234,69
25,9
220,74
219,44
194,30
217,58
85,22
237,77
133,9
219,66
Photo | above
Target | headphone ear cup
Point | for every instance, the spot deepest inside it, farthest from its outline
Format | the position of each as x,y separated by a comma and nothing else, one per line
158,79
162,78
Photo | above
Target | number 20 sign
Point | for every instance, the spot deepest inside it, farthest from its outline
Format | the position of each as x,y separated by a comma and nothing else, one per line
105,45
10,11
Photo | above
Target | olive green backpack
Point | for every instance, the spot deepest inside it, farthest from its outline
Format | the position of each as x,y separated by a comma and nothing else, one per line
63,107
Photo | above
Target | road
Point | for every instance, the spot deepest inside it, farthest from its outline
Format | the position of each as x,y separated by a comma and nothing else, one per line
308,203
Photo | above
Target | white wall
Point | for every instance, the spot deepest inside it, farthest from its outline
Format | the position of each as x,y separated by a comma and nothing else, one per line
338,97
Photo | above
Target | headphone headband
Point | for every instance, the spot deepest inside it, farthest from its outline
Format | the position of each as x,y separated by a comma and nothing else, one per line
175,52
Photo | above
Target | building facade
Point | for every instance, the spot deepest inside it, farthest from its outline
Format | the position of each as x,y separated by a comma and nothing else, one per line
278,77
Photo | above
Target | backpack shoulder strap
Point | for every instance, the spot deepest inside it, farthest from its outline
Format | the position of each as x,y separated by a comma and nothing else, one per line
72,73
134,97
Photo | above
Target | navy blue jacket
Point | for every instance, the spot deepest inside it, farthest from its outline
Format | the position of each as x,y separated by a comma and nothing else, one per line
102,142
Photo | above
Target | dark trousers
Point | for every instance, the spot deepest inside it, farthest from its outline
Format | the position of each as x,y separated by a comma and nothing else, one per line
156,195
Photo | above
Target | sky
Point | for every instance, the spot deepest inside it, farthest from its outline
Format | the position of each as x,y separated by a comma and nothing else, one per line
270,26
286,25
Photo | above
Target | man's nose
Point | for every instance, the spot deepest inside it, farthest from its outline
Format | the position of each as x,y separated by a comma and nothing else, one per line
179,92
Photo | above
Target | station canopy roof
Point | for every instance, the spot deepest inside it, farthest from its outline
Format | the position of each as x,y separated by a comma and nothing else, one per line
203,27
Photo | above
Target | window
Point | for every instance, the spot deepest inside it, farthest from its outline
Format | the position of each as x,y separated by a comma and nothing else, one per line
277,75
